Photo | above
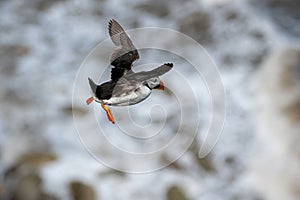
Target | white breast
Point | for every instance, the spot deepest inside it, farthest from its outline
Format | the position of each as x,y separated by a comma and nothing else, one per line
134,97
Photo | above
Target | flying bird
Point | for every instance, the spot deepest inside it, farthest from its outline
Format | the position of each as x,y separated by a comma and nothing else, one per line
125,87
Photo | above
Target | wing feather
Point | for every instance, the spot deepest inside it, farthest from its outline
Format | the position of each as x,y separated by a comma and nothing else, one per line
124,54
115,30
142,76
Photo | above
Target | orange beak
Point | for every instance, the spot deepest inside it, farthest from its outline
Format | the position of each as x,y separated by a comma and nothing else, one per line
89,100
161,86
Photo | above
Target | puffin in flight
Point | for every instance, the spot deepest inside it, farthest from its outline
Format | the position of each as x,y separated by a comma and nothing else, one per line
125,87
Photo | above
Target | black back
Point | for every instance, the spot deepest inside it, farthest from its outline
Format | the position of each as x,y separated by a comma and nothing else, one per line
105,90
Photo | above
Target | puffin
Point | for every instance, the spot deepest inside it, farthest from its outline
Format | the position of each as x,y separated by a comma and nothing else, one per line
126,87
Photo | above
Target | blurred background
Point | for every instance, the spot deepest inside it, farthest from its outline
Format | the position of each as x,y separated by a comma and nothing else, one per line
255,44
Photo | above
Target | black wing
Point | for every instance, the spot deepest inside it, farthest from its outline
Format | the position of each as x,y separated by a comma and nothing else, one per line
125,53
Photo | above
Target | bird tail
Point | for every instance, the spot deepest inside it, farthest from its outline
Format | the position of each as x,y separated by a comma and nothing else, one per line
92,85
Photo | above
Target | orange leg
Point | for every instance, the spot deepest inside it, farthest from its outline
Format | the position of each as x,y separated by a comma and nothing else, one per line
109,115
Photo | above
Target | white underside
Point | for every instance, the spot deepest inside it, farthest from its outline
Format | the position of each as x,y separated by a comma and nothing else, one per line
134,97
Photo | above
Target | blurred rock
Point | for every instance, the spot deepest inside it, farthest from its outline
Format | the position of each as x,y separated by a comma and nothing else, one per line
197,25
32,161
229,59
9,55
36,160
290,71
257,34
284,13
293,112
18,49
231,15
29,187
165,160
256,58
81,191
69,110
17,95
176,193
42,5
290,80
155,7
23,181
45,4
29,12
112,173
2,191
230,160
275,172
204,163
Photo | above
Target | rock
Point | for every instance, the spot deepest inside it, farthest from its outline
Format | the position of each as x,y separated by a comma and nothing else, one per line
197,25
112,173
36,160
230,160
284,13
3,192
205,163
292,111
32,161
176,193
256,58
18,49
81,191
155,7
24,180
257,34
77,110
165,160
28,187
9,55
229,59
42,5
290,81
290,70
231,15
275,171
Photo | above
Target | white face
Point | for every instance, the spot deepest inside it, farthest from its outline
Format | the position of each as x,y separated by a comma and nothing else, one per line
153,82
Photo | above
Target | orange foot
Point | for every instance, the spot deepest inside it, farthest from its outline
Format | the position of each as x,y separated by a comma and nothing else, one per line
109,115
89,100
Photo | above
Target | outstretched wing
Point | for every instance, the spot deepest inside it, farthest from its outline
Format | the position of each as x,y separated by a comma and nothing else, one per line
132,81
142,76
125,53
